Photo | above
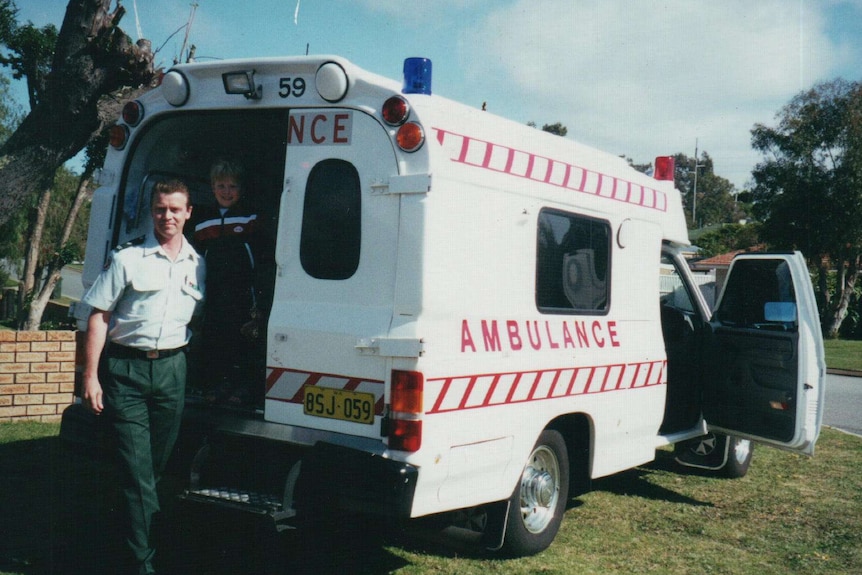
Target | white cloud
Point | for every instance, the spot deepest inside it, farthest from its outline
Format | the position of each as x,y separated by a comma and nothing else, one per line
648,78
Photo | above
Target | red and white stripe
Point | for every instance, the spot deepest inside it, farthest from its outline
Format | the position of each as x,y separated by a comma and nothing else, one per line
480,391
443,395
519,163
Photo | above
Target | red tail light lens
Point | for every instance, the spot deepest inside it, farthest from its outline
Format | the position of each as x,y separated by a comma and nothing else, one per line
118,135
410,137
405,402
395,111
407,388
133,113
405,435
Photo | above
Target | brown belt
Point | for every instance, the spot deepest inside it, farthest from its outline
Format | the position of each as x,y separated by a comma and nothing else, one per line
118,351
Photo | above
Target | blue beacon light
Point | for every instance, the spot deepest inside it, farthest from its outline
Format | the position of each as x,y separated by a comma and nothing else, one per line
417,76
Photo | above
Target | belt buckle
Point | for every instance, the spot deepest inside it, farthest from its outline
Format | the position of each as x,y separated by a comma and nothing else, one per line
152,354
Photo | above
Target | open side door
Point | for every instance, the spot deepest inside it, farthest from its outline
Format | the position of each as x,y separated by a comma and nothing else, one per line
764,354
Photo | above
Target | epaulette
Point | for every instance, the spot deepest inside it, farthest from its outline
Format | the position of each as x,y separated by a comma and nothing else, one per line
135,242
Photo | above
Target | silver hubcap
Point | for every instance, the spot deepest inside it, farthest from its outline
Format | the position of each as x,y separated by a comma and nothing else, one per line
540,489
741,449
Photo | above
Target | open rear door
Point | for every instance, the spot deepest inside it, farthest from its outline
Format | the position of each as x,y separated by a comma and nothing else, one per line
765,354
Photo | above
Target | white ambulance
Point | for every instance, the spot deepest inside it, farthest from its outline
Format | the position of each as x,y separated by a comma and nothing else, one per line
469,313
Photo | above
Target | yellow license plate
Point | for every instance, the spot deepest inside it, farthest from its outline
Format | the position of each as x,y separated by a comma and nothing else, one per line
339,404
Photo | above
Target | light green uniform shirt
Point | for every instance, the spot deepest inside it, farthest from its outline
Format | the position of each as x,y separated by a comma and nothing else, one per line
151,298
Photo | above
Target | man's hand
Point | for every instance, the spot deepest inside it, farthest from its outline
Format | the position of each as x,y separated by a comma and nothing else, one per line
92,395
97,329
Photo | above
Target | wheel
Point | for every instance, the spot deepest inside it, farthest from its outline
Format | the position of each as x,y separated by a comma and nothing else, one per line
719,454
536,506
739,453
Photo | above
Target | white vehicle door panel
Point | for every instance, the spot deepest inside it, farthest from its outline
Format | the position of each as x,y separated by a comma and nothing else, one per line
765,355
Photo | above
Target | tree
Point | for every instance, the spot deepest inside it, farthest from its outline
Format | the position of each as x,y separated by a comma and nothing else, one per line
808,189
715,203
728,238
94,68
557,129
77,79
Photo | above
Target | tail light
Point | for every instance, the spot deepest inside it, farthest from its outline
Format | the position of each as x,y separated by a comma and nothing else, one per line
118,135
410,137
133,113
395,111
405,415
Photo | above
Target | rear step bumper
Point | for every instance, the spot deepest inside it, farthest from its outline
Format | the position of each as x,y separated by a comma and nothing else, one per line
260,504
326,480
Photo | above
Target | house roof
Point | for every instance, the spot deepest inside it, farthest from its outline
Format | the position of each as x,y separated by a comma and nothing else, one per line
722,261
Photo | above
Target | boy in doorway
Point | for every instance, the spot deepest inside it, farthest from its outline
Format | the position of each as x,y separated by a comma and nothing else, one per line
230,238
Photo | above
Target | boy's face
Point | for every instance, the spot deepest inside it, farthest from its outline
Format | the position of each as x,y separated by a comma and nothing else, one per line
227,191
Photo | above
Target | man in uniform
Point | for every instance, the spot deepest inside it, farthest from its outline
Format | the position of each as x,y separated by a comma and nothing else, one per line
135,369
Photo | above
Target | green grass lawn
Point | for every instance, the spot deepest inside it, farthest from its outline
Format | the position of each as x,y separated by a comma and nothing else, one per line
789,515
843,354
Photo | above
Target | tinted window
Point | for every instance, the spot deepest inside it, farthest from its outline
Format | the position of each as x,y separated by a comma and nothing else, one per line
572,263
751,285
331,224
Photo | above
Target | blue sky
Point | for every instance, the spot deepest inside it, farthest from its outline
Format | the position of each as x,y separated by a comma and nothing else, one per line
639,79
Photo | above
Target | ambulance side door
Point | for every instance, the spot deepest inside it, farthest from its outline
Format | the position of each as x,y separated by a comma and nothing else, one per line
764,354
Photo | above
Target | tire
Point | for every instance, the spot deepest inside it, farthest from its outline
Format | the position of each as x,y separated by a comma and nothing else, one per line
716,454
739,453
536,506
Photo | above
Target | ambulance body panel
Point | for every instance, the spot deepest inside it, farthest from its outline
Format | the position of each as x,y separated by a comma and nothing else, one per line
454,292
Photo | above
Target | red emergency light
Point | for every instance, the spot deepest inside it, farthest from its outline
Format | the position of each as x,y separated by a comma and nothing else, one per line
664,168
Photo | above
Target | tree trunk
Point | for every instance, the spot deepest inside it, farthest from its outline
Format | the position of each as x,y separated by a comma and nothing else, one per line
38,304
844,290
29,278
93,58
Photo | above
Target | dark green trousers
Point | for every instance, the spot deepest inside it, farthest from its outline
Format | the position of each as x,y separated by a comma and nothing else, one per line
144,398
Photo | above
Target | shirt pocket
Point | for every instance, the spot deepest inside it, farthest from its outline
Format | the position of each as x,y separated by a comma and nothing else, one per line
145,283
145,300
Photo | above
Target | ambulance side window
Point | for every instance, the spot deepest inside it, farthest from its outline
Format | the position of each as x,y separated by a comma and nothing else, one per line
572,263
331,224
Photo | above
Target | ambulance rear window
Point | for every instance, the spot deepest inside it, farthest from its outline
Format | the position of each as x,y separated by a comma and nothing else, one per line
572,263
331,224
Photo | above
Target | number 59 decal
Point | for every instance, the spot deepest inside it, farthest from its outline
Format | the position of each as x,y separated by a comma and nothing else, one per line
291,87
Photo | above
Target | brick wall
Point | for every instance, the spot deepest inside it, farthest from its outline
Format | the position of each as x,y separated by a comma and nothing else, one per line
37,374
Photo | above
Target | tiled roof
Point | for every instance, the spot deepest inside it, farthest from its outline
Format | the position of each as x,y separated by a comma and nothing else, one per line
723,260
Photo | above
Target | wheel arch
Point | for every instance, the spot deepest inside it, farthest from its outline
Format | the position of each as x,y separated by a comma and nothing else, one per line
577,432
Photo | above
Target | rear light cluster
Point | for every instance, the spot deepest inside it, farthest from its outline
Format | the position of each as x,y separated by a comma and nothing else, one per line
118,134
405,410
410,135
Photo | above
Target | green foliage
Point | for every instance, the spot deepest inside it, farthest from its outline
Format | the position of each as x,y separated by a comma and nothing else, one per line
728,238
13,234
557,129
8,19
808,189
716,202
30,51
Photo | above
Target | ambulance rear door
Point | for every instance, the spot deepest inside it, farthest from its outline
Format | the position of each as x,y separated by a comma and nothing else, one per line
328,353
764,354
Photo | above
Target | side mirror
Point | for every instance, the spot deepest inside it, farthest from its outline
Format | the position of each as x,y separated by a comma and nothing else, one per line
779,311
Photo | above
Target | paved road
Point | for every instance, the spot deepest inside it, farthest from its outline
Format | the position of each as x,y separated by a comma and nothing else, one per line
843,407
72,286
